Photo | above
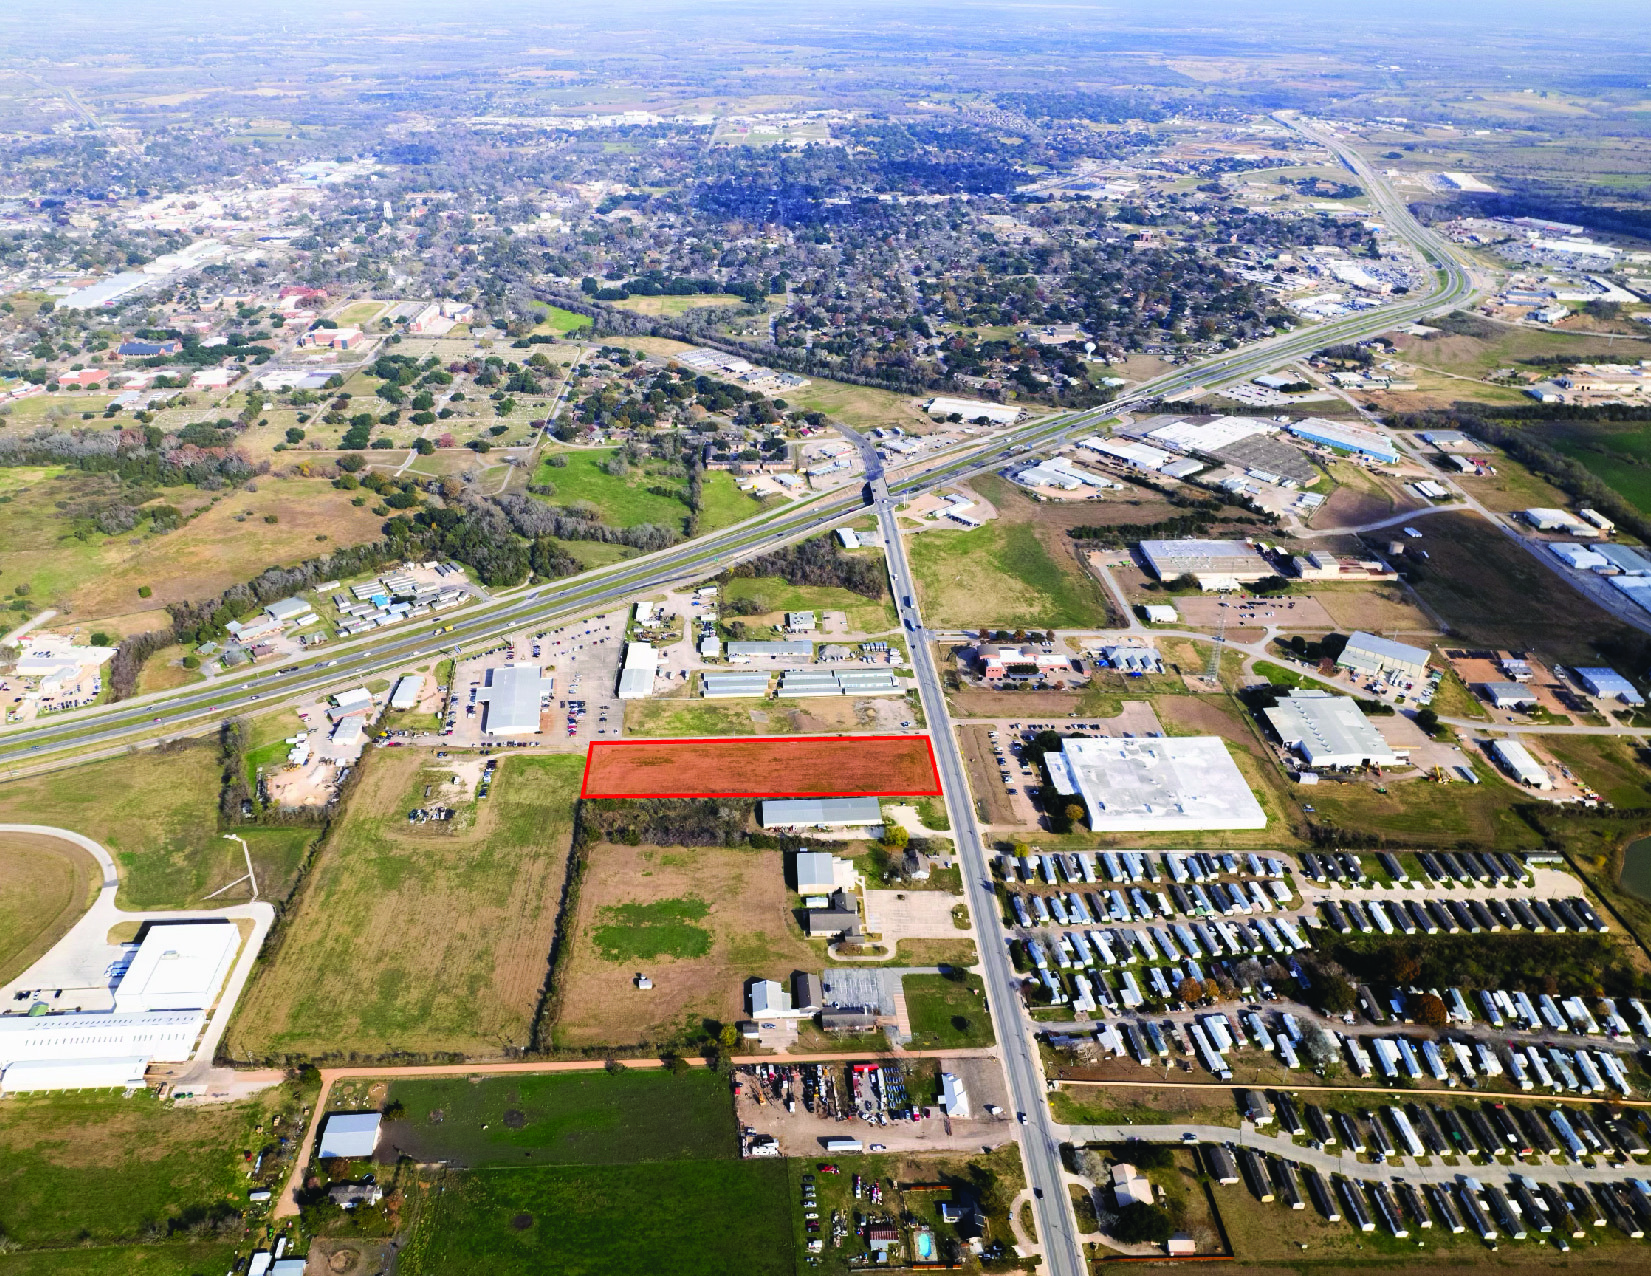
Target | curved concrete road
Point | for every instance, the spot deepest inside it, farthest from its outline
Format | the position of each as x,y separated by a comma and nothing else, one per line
82,958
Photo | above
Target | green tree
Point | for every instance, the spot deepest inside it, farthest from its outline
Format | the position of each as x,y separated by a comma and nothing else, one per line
895,837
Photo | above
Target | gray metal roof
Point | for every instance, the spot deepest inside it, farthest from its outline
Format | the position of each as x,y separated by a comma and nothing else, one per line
512,697
771,648
807,811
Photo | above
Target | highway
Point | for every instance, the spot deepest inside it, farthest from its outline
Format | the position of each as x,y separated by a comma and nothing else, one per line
191,710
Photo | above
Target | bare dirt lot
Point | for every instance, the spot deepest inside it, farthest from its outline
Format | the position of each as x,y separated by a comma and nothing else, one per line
747,915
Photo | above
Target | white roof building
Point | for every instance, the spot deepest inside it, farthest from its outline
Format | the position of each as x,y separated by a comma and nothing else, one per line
179,966
408,689
349,1134
355,700
164,1035
820,873
288,609
973,410
847,812
1225,560
954,1098
1517,761
1371,654
1328,730
27,1075
1162,614
1130,1186
636,680
1131,785
514,696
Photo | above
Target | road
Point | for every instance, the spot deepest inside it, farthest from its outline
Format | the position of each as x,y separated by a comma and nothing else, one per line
1040,1142
1341,1162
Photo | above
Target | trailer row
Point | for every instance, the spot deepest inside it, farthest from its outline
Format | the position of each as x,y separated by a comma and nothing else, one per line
1442,868
1462,916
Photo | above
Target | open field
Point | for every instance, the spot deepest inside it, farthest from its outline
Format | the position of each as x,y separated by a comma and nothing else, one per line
613,1174
746,917
157,813
562,322
840,767
226,542
87,1166
865,615
623,502
1618,452
689,1218
418,938
46,884
567,1118
947,1014
1476,356
670,307
1494,594
862,406
1002,575
194,1258
722,504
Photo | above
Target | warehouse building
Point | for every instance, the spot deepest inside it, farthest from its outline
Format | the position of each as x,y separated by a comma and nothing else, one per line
972,410
729,686
1509,695
1130,785
514,696
408,689
1608,684
291,611
1210,563
1339,437
741,652
841,812
160,1007
820,873
801,683
636,679
1516,760
1382,657
1328,730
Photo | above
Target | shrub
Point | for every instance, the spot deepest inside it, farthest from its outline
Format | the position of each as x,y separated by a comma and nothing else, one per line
1140,1224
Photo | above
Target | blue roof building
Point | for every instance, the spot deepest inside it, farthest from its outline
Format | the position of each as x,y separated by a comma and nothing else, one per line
1609,685
1345,438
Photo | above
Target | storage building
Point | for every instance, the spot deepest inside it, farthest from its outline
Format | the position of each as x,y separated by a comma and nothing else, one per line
636,679
1328,730
178,966
1340,437
1377,656
726,686
842,812
771,650
408,689
1608,684
1206,560
1131,785
349,1134
1517,761
514,696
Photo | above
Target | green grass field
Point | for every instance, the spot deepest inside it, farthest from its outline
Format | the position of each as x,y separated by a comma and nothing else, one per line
95,1167
567,1118
413,938
947,1014
1619,454
561,322
45,886
647,932
865,615
722,504
688,1218
624,502
204,1258
613,1175
157,813
1001,575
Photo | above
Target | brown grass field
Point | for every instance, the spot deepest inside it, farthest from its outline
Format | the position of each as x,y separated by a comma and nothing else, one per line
45,886
752,933
419,938
843,766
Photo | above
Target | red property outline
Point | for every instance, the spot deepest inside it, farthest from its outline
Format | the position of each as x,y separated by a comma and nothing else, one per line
590,759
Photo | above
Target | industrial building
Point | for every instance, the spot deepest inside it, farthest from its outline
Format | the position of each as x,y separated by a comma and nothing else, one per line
840,812
820,872
739,652
1340,437
1516,760
1328,730
1131,785
408,689
291,611
1557,520
998,660
636,679
160,1007
799,683
737,685
1127,452
1211,563
1508,695
1060,473
973,410
514,696
1382,657
1608,684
